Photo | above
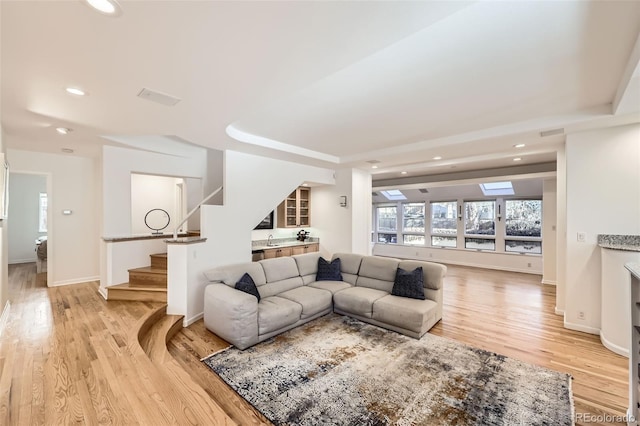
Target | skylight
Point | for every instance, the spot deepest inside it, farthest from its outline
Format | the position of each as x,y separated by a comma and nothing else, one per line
393,195
497,188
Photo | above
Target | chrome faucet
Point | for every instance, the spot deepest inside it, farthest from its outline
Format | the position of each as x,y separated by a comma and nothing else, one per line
269,239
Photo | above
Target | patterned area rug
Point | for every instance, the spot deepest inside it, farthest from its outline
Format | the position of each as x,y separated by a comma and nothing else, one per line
340,371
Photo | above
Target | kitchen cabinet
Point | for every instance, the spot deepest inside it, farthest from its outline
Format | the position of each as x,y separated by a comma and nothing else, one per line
307,248
295,210
272,253
277,252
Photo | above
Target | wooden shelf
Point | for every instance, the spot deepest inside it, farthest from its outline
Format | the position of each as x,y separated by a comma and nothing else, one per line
294,211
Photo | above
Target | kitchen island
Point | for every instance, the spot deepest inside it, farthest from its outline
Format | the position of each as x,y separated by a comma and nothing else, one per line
616,251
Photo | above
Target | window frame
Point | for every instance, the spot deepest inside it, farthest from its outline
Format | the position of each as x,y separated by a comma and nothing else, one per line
525,238
406,233
491,237
456,217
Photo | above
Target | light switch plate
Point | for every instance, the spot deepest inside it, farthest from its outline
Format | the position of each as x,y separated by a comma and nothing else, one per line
582,237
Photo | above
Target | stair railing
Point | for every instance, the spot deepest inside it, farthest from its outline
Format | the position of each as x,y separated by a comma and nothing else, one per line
175,232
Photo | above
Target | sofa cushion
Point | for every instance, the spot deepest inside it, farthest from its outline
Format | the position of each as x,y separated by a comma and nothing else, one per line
378,273
409,284
231,274
403,312
433,272
312,300
277,312
247,285
332,286
349,266
279,269
307,266
357,300
328,271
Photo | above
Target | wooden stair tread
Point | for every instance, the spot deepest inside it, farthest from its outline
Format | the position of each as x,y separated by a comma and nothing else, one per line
149,270
129,287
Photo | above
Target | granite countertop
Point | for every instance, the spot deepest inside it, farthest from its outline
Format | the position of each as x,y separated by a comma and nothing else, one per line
634,268
262,244
619,242
134,237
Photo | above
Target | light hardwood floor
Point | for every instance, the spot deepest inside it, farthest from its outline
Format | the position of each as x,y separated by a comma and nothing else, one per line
69,357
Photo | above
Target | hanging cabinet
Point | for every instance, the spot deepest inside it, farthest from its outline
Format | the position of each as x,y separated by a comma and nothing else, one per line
295,210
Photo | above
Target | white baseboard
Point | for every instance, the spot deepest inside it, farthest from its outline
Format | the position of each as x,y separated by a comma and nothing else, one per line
5,316
75,281
548,282
613,347
473,265
559,311
103,292
187,322
16,261
580,327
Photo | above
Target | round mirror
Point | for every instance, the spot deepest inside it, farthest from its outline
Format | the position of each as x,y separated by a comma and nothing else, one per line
157,220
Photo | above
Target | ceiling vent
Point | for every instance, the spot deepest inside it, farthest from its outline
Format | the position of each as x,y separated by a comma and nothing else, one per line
373,161
423,190
158,97
551,132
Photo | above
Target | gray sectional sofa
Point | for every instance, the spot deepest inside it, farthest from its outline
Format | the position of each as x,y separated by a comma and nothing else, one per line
291,296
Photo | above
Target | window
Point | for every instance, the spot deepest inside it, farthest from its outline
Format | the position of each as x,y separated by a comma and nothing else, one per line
497,188
444,224
523,223
413,223
42,212
479,223
393,195
387,224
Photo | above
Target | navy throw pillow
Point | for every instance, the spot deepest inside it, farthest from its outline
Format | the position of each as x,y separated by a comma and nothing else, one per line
247,285
409,284
328,271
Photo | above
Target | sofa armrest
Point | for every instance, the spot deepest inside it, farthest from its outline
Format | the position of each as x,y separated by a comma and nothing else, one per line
231,314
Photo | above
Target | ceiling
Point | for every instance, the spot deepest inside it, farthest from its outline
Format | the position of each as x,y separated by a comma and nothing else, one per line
333,84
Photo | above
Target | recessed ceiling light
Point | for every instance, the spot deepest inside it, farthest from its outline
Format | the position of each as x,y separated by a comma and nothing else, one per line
67,150
374,167
305,184
519,145
517,159
75,91
403,173
63,130
108,7
437,157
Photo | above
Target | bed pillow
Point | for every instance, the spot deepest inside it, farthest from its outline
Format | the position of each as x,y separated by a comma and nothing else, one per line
409,284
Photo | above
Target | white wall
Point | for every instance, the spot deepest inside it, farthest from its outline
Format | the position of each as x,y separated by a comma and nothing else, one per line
549,226
487,260
253,185
343,229
603,197
117,166
24,213
153,192
561,231
73,248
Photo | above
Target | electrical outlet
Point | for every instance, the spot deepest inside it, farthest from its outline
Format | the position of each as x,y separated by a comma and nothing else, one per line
581,315
430,254
529,265
417,254
582,237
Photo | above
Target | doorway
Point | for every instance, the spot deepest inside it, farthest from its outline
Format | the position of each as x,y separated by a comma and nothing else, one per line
28,215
